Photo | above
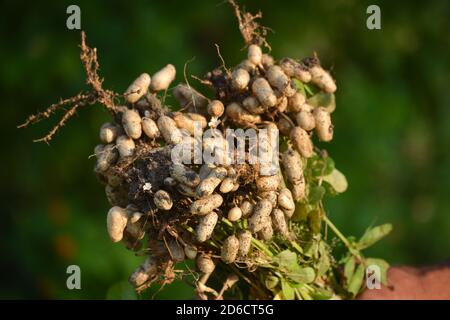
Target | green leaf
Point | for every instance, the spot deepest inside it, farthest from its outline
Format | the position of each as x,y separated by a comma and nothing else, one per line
356,280
286,260
324,261
321,294
373,235
315,194
323,99
349,268
382,264
311,249
299,85
288,291
330,166
302,275
271,282
337,180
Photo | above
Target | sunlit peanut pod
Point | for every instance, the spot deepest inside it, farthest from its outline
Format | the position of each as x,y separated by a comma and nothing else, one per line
109,132
234,214
246,208
163,200
144,272
285,200
296,102
131,121
264,93
226,185
279,222
211,182
299,190
260,216
190,251
106,156
186,190
288,65
169,130
303,74
288,213
205,264
206,205
254,54
150,128
134,230
322,79
206,226
295,69
324,127
184,121
184,174
162,79
116,221
293,167
282,104
216,108
253,105
189,97
175,250
133,215
305,120
277,78
267,61
230,249
266,233
268,183
269,195
284,126
125,145
245,242
247,65
240,79
302,142
138,88
240,115
198,118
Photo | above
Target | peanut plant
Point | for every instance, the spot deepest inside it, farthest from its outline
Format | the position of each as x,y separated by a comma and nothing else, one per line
256,230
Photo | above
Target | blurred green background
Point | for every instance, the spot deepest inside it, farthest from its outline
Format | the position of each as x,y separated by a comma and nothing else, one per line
392,136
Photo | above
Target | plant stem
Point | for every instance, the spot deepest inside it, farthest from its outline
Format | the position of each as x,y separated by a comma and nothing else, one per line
337,232
261,246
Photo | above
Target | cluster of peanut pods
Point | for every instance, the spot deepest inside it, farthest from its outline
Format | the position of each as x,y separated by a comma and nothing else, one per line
205,211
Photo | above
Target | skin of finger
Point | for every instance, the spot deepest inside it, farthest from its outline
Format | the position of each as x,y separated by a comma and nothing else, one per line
407,283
